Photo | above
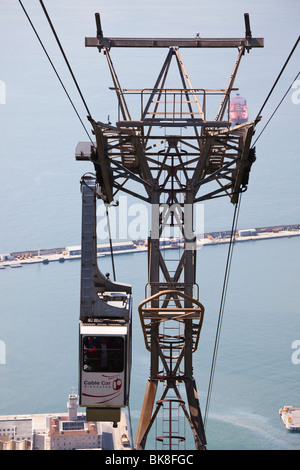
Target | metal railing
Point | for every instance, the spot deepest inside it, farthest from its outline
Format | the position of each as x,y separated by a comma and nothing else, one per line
173,104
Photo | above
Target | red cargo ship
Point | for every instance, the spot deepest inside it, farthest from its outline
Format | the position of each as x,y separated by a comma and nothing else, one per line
238,112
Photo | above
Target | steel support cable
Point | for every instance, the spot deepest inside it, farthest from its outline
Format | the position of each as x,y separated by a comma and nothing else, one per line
222,306
64,56
130,424
116,163
110,242
277,79
275,110
53,66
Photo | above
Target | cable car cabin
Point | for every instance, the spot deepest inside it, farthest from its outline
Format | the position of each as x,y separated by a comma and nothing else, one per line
105,361
104,326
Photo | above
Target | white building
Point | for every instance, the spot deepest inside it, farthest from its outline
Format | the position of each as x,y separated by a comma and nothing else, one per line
73,431
62,431
103,248
16,434
249,232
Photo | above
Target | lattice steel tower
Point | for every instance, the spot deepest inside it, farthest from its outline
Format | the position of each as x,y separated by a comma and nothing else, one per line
179,156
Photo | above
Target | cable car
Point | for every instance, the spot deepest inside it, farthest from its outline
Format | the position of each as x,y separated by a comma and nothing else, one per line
104,327
105,364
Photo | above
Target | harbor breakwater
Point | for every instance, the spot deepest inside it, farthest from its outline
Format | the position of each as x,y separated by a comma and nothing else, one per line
20,258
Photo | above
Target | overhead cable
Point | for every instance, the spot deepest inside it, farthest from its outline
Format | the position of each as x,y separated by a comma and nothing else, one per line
277,79
54,68
276,109
110,242
231,244
222,305
64,56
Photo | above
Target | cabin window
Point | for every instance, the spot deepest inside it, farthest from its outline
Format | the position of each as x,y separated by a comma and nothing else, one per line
103,354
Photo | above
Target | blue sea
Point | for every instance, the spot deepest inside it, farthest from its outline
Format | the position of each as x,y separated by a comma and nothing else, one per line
41,208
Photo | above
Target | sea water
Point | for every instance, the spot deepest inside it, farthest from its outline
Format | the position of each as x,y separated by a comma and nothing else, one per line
41,208
255,373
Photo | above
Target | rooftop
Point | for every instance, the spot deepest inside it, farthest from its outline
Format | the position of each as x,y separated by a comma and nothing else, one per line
61,426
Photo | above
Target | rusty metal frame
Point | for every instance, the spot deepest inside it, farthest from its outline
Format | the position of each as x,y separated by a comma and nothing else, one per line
109,42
